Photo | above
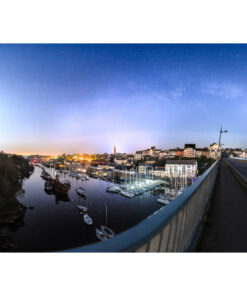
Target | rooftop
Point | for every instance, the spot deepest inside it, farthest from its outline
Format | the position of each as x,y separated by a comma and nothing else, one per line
190,146
181,161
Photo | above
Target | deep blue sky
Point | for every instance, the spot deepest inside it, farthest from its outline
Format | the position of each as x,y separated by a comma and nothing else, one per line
86,98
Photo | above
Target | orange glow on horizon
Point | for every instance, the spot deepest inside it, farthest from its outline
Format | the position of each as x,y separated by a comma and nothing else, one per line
33,153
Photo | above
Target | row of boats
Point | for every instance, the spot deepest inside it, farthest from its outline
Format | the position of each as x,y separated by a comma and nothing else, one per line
103,232
55,185
136,188
82,177
64,185
115,189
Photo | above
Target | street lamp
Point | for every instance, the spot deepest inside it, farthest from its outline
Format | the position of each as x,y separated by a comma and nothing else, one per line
221,132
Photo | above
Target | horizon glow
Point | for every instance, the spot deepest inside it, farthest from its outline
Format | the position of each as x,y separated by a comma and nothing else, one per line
85,98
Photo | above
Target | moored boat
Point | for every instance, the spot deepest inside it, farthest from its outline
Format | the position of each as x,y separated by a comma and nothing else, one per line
59,187
82,209
45,175
48,186
81,191
84,178
72,174
113,189
127,194
87,219
100,234
107,231
163,200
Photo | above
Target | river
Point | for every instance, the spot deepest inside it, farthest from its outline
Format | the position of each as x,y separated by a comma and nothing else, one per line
52,224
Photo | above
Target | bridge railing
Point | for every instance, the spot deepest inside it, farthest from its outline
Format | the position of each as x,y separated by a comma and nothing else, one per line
170,229
239,158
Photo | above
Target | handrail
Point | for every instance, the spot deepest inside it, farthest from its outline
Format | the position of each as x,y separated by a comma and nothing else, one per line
171,228
239,158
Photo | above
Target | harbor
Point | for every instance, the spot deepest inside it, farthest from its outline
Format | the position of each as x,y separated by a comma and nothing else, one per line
54,222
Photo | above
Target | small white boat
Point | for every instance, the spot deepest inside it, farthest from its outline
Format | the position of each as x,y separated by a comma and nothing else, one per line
84,178
127,194
72,174
163,201
87,219
113,189
81,191
82,209
123,186
107,231
100,234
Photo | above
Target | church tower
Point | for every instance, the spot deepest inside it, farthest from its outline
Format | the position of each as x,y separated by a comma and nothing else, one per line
115,150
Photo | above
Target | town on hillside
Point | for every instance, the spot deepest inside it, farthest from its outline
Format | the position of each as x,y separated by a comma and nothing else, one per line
189,161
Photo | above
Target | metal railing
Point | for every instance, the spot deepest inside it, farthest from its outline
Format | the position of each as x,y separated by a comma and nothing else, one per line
170,229
239,158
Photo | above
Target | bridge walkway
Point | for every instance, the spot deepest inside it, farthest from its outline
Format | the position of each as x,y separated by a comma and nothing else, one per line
225,228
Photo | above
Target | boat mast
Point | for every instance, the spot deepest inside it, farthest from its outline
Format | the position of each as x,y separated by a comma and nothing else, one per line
106,214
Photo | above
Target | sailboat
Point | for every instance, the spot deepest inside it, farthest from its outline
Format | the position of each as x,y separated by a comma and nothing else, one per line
100,234
127,194
87,219
82,209
81,191
113,189
109,233
163,200
104,232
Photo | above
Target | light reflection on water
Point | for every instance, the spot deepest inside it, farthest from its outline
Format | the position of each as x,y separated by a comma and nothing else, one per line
56,224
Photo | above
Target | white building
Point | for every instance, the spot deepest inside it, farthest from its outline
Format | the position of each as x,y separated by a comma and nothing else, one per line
157,153
190,150
214,154
237,152
243,154
214,147
163,154
181,168
138,155
148,152
172,153
121,161
142,169
158,172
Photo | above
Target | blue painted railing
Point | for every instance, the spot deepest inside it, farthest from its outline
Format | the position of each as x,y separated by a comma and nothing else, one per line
170,229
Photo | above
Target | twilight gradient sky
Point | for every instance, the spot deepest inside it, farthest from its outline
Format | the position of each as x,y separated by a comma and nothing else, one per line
86,98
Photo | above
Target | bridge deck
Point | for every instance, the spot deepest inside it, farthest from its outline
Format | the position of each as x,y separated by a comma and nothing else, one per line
226,224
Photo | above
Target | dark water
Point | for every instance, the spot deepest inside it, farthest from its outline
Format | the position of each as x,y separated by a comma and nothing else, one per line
56,224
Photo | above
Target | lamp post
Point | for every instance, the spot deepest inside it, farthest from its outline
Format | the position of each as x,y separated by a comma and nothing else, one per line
221,132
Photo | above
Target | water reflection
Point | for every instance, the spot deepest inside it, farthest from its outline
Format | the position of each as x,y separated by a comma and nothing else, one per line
61,197
55,222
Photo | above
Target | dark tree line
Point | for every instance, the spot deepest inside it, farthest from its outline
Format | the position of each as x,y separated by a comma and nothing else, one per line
13,169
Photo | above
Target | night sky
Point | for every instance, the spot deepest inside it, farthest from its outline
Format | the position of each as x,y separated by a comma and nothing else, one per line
86,98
